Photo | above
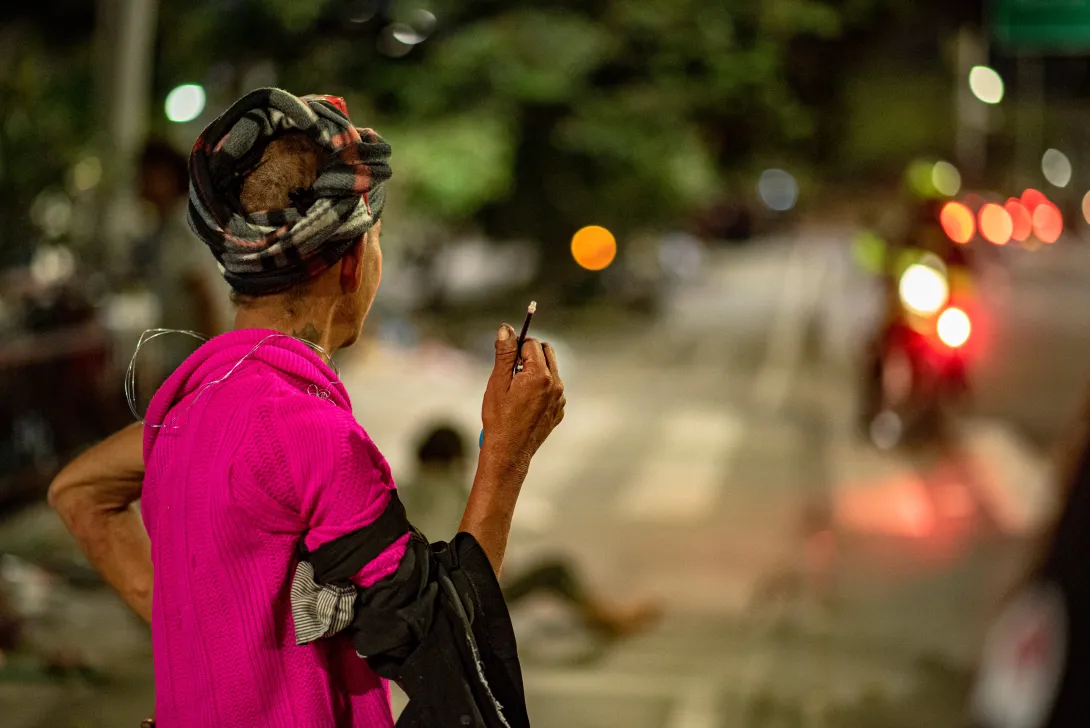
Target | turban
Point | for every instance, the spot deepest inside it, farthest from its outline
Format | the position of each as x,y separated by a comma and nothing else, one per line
271,250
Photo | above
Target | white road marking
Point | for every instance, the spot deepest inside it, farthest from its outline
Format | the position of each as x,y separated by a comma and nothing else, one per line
683,470
572,446
595,683
801,289
734,291
1015,482
698,706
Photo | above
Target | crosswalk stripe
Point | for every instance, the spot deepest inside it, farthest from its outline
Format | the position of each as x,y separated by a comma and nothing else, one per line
698,706
801,292
685,467
588,424
593,682
1015,482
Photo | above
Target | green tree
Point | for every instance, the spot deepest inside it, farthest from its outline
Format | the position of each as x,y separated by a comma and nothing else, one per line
535,119
529,118
46,117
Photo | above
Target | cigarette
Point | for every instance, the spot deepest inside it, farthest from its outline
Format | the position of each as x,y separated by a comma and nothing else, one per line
522,336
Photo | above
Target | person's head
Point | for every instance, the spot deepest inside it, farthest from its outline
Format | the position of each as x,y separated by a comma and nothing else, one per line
288,194
163,178
288,167
442,450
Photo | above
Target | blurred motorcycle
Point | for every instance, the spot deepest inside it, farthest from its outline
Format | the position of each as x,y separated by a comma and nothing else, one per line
916,373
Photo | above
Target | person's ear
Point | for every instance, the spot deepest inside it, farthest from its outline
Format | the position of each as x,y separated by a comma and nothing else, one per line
352,266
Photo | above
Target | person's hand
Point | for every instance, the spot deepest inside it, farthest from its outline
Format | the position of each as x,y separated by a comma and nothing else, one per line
520,410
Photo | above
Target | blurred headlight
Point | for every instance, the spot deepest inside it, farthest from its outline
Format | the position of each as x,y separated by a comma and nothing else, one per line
954,327
923,289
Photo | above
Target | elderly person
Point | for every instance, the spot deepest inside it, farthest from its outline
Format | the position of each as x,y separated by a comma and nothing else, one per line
288,585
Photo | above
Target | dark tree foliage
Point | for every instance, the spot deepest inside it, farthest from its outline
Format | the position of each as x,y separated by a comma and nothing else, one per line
528,118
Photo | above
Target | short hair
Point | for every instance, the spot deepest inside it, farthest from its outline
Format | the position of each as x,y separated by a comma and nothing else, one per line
290,162
443,445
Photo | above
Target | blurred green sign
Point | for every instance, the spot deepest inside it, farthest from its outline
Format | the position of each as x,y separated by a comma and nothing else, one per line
1045,25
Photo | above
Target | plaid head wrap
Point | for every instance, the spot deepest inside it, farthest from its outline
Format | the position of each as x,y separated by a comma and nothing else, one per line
271,250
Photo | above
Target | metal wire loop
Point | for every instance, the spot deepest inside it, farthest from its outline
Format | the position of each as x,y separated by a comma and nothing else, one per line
150,334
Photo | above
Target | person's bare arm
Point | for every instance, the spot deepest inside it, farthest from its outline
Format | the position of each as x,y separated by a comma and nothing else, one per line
519,412
491,506
95,496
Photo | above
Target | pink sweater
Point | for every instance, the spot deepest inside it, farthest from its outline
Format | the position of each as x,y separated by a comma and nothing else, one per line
256,463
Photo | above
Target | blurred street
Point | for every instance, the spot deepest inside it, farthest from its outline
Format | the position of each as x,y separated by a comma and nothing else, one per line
816,274
710,459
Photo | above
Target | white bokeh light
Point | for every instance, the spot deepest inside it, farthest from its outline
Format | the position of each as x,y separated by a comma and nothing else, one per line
87,173
52,264
185,103
946,179
778,190
391,45
923,289
986,84
423,21
51,211
1056,167
406,34
954,327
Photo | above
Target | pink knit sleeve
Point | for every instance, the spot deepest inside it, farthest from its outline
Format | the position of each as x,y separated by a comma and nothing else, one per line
319,463
354,492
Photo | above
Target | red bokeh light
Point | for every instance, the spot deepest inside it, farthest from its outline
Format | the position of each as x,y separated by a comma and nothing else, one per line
1021,220
957,222
1032,198
1048,223
996,224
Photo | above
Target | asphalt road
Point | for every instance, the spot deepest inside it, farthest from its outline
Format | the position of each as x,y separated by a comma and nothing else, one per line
708,460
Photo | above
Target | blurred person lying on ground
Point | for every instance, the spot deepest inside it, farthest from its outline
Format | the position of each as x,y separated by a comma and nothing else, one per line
434,498
282,581
184,278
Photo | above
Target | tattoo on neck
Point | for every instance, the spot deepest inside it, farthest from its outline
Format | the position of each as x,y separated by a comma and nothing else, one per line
310,333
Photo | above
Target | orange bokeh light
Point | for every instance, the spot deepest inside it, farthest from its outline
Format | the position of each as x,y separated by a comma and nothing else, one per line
593,247
1021,220
957,222
1032,199
996,224
1048,223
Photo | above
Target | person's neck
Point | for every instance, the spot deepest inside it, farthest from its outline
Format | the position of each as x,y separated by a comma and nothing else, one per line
315,326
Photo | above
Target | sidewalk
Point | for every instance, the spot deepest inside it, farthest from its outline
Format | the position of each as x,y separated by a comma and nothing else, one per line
89,622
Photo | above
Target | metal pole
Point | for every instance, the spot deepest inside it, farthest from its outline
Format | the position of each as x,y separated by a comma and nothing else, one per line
125,52
971,113
1031,120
